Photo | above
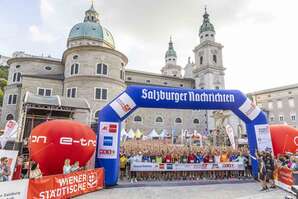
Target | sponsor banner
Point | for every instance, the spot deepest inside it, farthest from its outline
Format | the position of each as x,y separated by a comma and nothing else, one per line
230,132
66,186
16,189
12,158
148,166
263,137
108,140
249,109
284,178
123,104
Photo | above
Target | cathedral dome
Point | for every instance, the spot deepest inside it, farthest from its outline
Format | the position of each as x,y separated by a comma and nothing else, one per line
93,31
207,25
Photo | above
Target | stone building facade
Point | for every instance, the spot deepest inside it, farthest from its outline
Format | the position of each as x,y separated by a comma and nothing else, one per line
92,69
281,104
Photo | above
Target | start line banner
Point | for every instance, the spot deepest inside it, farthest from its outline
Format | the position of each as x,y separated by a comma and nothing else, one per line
148,166
66,186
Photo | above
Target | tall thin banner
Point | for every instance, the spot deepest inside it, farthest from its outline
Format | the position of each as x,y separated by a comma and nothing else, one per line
66,186
16,189
108,136
12,158
263,137
230,132
9,130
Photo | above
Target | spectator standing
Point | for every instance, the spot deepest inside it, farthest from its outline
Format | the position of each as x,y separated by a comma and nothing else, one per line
4,169
75,167
35,172
123,163
66,167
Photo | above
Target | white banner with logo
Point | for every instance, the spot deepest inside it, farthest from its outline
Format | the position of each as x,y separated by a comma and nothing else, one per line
148,166
9,131
108,140
123,104
263,137
11,157
230,132
249,109
16,189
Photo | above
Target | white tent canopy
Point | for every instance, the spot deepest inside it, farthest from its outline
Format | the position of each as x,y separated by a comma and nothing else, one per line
131,134
138,134
123,132
153,134
164,134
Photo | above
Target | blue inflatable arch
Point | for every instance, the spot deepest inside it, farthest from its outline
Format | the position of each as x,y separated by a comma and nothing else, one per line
111,116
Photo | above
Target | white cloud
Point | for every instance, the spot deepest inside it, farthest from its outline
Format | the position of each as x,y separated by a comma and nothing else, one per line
38,36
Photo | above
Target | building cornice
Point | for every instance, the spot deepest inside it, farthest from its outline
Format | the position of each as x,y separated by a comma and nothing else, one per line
34,59
208,68
207,43
98,78
156,75
276,89
93,48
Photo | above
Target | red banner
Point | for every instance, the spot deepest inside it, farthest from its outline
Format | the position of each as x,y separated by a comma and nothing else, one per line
285,176
66,186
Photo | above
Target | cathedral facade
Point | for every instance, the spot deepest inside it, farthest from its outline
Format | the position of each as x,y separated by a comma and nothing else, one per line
93,71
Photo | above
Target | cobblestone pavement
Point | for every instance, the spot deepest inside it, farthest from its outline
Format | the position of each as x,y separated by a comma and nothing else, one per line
189,190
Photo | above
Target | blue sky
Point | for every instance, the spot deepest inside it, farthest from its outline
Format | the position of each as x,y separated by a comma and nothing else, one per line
259,37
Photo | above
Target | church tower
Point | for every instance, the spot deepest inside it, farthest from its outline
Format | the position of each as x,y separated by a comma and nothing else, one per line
208,70
171,68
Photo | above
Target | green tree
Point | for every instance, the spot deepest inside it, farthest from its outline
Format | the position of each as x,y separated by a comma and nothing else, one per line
1,97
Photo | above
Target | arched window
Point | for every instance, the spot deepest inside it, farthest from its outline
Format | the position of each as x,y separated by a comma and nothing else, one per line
101,69
201,60
178,120
214,58
9,117
159,119
75,57
74,69
16,77
196,121
137,118
96,114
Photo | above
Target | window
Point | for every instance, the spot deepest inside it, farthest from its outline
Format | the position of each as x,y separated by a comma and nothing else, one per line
214,58
137,118
201,36
178,120
271,118
16,77
74,69
101,69
293,117
44,91
12,99
9,117
281,118
217,87
201,60
212,35
18,66
159,119
206,35
96,114
147,81
279,104
121,74
165,83
291,102
270,105
48,68
196,121
129,78
101,94
71,92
